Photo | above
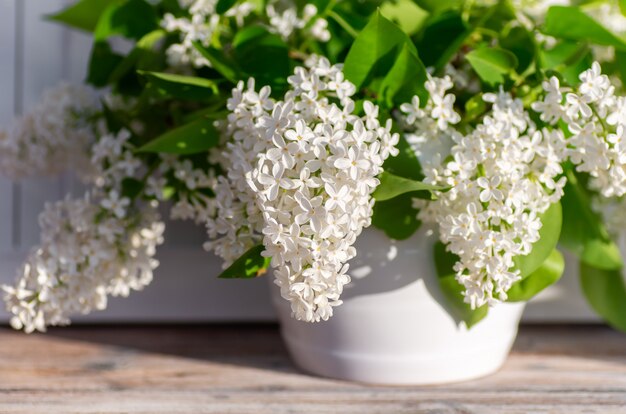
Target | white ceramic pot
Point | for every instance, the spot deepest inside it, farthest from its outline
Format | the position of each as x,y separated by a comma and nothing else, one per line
393,327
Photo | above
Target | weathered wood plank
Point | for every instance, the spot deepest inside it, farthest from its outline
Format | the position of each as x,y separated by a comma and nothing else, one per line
245,369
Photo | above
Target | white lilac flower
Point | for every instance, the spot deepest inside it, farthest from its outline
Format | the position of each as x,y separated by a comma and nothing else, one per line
84,255
240,12
286,22
596,118
608,13
192,201
53,137
200,28
300,173
203,26
503,174
99,245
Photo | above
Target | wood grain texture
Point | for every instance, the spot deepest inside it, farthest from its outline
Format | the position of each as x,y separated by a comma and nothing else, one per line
245,369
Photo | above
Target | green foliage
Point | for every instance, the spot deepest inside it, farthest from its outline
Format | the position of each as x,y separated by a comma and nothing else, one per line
453,290
195,137
131,187
143,56
442,37
251,264
567,57
374,51
83,14
392,186
574,24
475,107
220,62
129,18
520,42
405,79
549,233
548,273
492,64
405,13
102,63
585,234
384,59
120,19
437,6
606,293
223,6
181,87
397,217
262,55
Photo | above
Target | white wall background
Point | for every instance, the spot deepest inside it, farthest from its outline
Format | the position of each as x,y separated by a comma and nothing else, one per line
36,54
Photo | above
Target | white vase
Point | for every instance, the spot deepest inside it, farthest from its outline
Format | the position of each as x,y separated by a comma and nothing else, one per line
393,327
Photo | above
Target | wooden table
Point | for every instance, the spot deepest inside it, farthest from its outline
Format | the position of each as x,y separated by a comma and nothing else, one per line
245,369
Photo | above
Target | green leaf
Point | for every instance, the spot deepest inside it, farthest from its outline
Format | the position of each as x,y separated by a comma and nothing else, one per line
602,254
405,164
574,24
405,79
453,290
442,38
498,16
437,6
622,6
569,58
405,13
549,233
101,64
223,6
144,55
262,55
584,233
251,264
606,293
475,107
131,187
545,275
374,50
219,62
131,19
182,87
392,186
492,64
397,217
521,43
83,14
192,138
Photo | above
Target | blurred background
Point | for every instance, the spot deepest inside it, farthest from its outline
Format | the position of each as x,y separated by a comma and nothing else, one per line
36,54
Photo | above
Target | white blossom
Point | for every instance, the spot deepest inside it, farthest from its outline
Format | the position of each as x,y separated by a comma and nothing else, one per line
300,173
596,118
286,21
53,137
502,174
204,25
99,245
84,255
199,27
